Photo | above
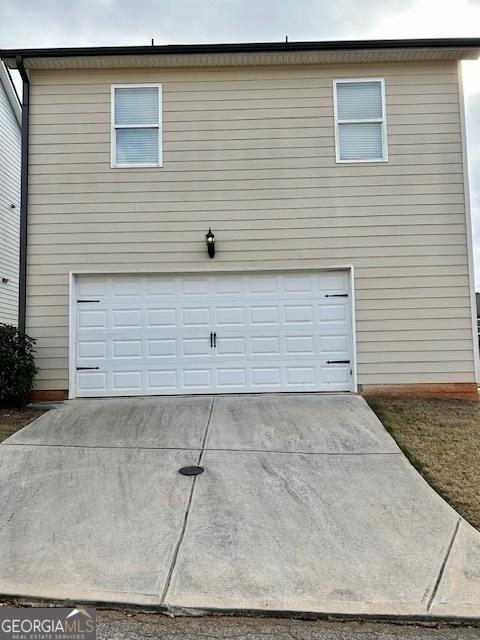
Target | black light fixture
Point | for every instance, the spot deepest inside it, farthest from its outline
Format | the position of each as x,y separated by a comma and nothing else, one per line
210,242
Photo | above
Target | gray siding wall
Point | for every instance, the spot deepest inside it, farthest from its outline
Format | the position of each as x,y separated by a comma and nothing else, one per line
250,151
10,141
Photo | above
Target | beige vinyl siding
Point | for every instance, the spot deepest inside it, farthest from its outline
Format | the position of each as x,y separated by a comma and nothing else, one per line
10,141
250,152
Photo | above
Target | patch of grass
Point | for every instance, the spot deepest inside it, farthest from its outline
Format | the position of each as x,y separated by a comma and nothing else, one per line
12,420
441,438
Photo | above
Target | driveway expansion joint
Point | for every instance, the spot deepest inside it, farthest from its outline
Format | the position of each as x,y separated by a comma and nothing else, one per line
443,565
309,453
187,511
93,446
205,435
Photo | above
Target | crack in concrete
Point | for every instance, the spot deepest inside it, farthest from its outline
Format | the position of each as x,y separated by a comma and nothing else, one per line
187,512
202,448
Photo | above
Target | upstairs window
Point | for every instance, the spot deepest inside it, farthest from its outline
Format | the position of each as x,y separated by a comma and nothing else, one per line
137,125
360,124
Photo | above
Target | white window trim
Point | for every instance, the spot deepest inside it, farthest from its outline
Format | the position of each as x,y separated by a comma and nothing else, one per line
382,121
114,127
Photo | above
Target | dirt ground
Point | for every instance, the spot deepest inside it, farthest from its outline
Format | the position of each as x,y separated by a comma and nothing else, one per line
12,420
442,440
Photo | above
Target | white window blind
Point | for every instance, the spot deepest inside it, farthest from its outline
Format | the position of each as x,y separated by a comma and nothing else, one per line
360,121
136,125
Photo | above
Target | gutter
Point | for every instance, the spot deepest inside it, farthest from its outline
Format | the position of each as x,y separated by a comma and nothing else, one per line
22,279
250,47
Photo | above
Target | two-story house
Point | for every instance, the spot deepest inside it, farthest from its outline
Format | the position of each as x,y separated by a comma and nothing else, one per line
247,218
10,141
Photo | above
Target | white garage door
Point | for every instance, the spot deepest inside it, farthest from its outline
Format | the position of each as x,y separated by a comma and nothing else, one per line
138,335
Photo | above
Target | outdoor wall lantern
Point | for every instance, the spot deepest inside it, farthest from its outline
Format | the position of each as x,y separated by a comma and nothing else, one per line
210,242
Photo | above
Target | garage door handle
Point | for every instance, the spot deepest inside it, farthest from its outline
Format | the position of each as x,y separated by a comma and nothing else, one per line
85,368
338,361
214,340
336,295
211,340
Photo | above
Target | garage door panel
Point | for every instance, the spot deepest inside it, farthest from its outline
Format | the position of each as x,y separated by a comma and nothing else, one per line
230,317
92,319
130,381
300,345
301,376
229,285
92,349
335,374
332,312
196,347
91,287
162,317
127,349
197,379
162,379
161,348
195,287
231,347
266,377
332,281
298,314
299,283
196,317
151,334
262,315
265,345
92,381
262,285
161,288
334,344
231,377
126,318
125,287
334,329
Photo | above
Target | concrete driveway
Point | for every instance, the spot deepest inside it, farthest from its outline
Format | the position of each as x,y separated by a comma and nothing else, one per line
306,504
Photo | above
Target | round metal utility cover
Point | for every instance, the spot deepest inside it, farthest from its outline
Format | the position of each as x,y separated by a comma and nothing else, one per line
191,471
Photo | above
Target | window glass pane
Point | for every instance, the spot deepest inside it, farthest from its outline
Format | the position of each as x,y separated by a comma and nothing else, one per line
136,146
358,100
360,141
136,105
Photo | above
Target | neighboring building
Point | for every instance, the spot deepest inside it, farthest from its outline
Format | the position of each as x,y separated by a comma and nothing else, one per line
10,151
333,177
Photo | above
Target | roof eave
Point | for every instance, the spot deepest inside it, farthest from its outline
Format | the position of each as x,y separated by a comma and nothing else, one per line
308,52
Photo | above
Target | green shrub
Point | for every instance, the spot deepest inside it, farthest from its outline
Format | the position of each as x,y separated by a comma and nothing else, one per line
17,366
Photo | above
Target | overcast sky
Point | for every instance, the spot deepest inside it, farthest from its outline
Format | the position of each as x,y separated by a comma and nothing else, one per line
50,23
